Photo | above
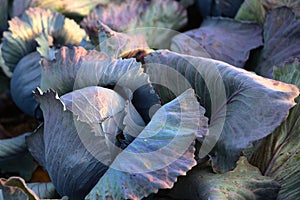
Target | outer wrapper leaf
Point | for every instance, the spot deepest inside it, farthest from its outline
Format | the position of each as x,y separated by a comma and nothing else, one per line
27,77
244,182
245,121
222,39
72,169
14,157
77,68
163,151
36,145
20,39
60,73
22,165
36,27
282,40
278,154
12,147
256,10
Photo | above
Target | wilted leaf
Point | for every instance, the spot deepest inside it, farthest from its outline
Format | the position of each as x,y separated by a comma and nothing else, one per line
163,151
281,40
278,154
233,99
244,182
222,39
16,188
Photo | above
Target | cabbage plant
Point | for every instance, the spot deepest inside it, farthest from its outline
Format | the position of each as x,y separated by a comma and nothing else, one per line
29,37
124,120
115,118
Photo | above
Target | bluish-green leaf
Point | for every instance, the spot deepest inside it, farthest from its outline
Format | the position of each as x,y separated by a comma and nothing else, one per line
222,39
231,94
288,72
14,157
44,190
71,167
135,14
12,147
256,10
36,145
281,40
244,182
3,67
27,77
22,165
278,154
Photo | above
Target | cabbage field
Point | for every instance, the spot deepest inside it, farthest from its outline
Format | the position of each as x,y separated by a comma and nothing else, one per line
150,99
